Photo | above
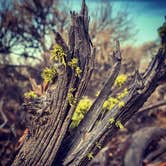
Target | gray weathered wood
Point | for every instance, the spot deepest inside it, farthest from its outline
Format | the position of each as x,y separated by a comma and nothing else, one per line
51,114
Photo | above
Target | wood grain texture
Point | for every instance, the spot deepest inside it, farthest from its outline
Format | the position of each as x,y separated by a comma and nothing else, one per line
49,127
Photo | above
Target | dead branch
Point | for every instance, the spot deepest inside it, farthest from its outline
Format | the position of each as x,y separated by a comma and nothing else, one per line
91,117
5,120
139,91
49,129
149,107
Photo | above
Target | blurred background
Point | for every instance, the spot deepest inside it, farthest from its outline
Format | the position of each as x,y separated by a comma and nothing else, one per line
27,33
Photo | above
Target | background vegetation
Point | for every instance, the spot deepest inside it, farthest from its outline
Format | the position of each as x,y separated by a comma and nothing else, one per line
27,34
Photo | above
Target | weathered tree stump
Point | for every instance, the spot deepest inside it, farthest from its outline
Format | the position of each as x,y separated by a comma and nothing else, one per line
50,122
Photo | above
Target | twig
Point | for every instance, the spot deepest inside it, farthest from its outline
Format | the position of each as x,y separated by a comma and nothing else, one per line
3,115
149,107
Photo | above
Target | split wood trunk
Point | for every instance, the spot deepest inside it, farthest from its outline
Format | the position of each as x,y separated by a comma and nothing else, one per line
49,142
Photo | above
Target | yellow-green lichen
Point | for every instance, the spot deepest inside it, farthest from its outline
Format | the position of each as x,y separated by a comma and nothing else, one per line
30,95
58,55
90,155
74,65
123,94
120,80
111,120
119,125
98,145
81,109
121,104
70,96
97,93
49,74
85,103
110,103
78,71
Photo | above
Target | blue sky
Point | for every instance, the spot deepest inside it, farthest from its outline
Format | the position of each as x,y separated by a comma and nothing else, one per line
147,15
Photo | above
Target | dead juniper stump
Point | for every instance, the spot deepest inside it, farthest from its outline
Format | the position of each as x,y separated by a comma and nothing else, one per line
50,111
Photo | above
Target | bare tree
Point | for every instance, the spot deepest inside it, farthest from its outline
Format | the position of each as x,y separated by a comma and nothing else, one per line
31,25
27,24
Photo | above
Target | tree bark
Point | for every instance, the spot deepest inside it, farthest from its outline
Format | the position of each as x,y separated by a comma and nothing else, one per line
48,129
51,120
